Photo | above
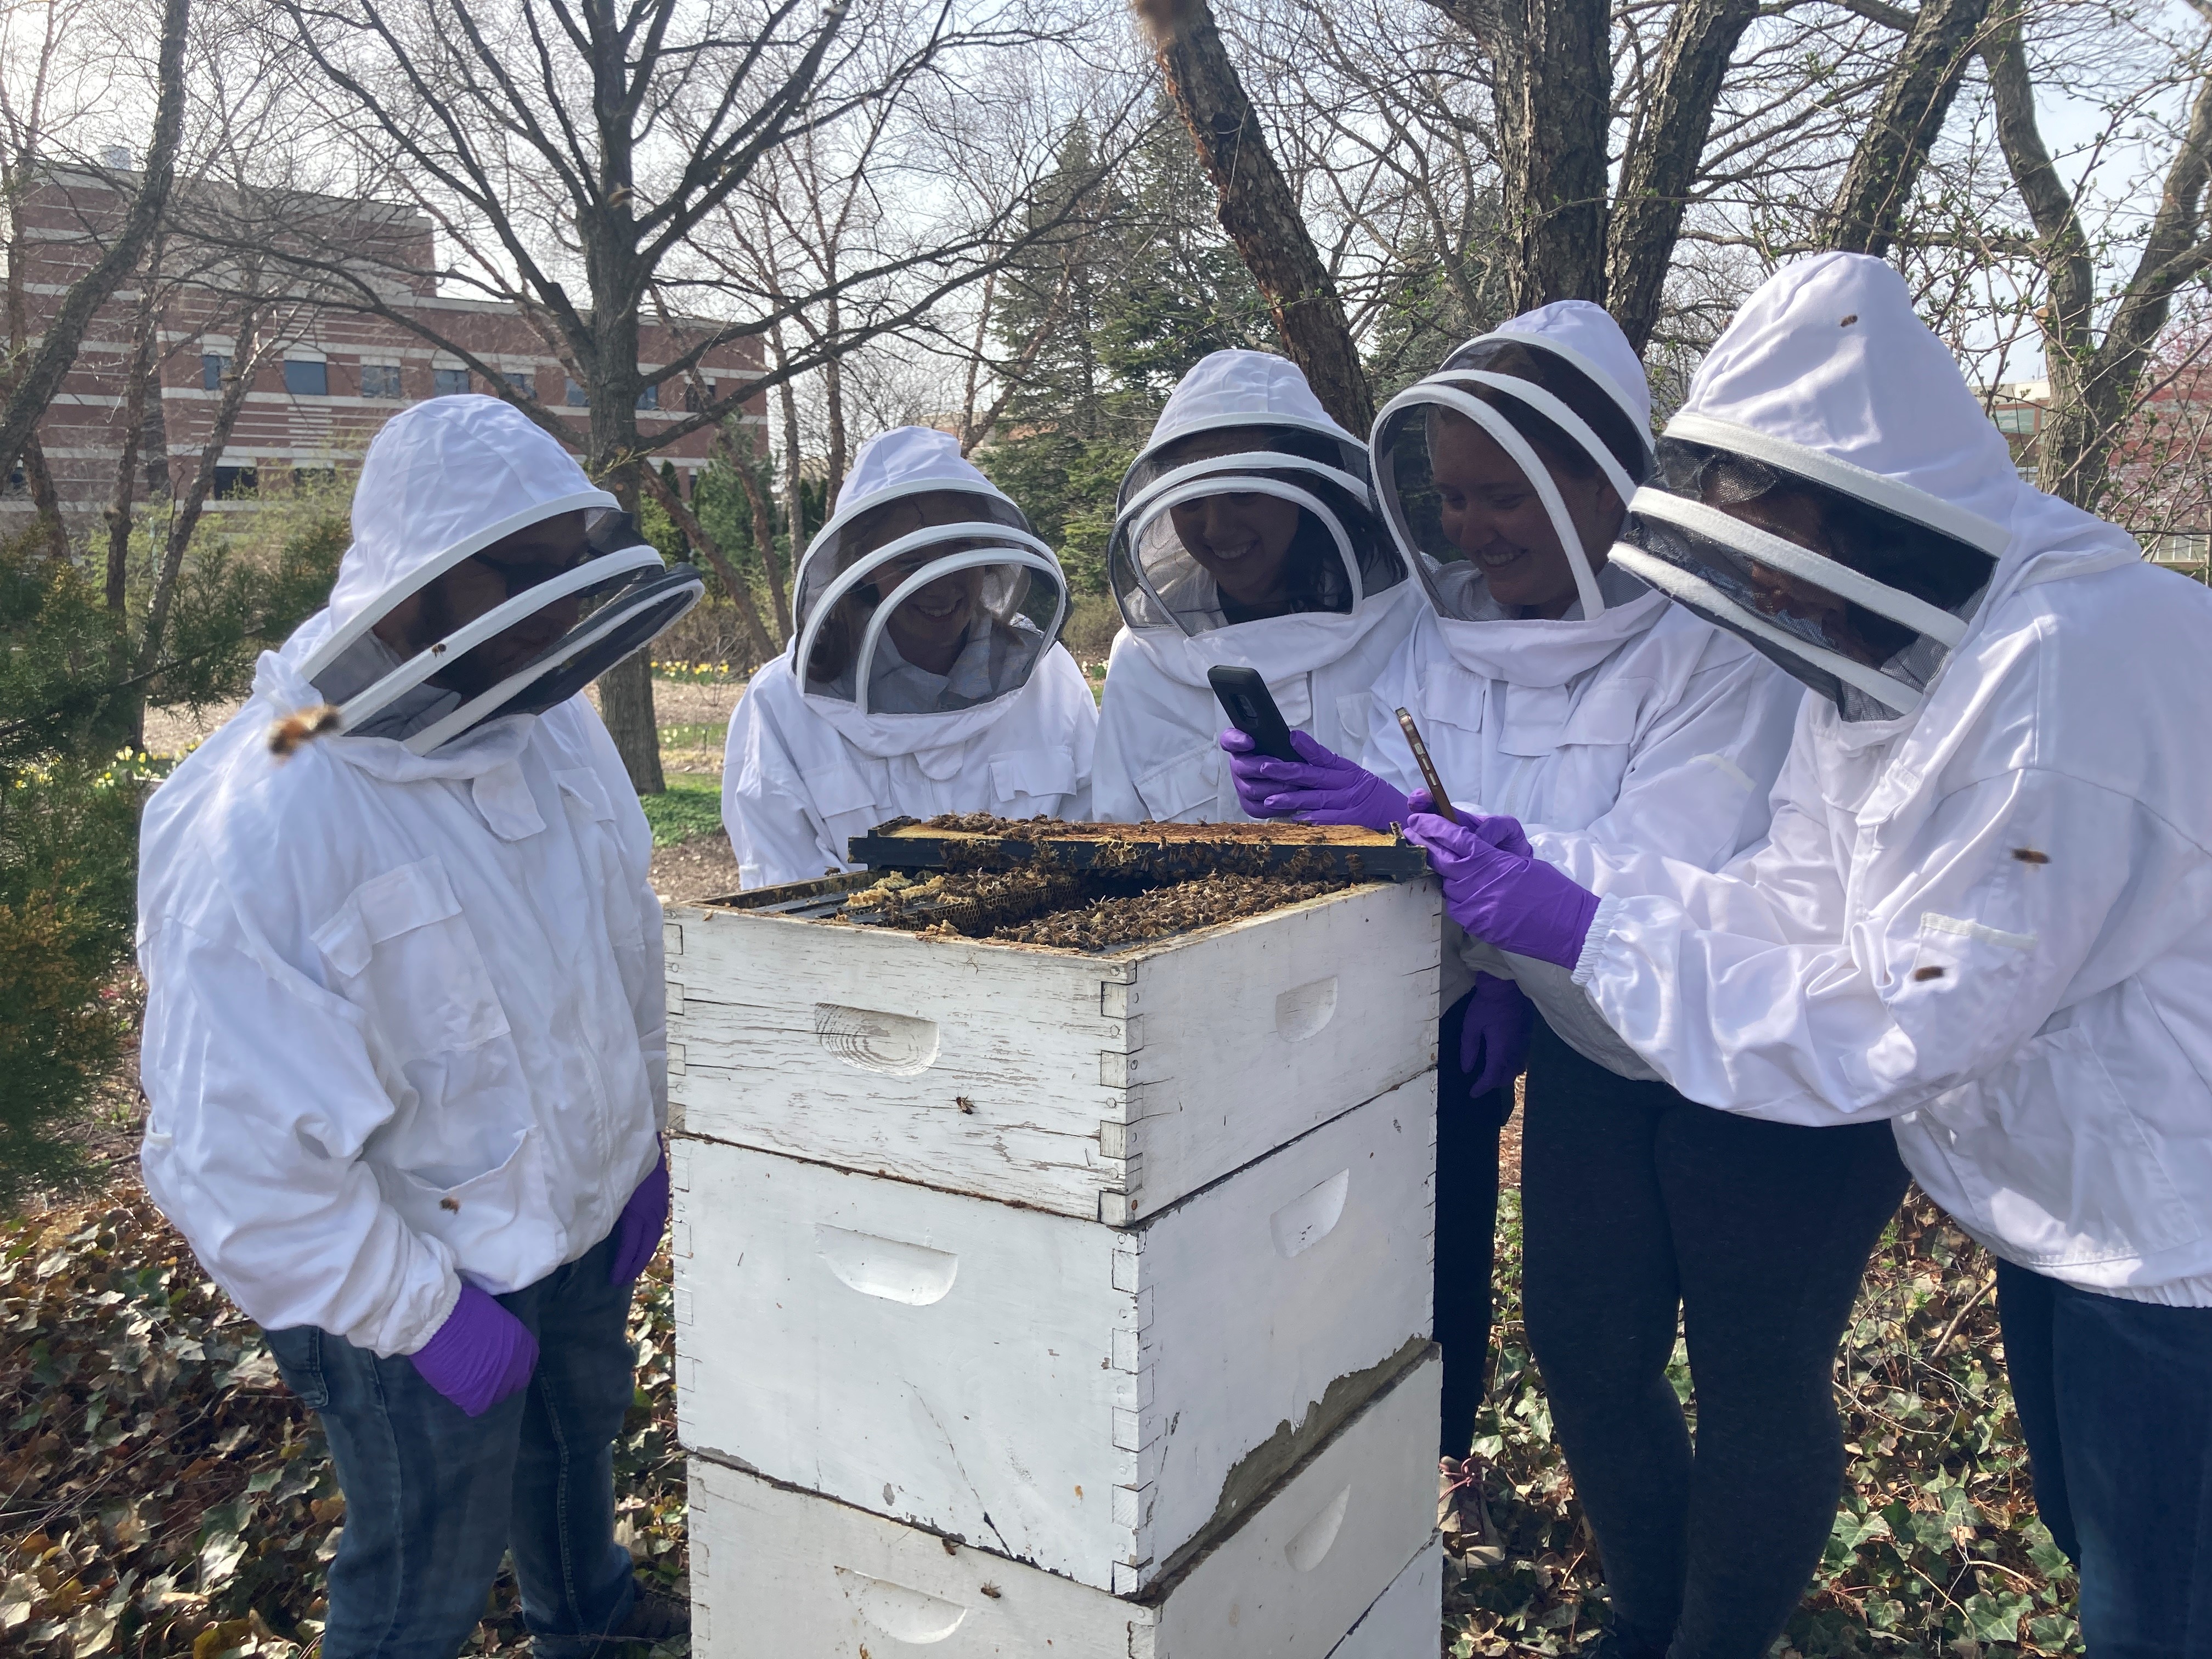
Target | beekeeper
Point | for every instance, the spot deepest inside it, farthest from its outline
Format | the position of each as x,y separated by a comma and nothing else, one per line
925,674
1983,915
1246,537
403,1044
1546,674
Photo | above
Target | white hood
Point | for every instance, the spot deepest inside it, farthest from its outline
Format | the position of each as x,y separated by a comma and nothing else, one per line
914,461
443,479
1828,376
1612,606
1268,396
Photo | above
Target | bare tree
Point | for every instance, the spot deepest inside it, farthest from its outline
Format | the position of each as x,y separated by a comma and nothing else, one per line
36,375
2095,382
1258,208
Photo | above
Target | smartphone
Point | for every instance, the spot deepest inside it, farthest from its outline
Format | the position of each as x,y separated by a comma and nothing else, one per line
1244,697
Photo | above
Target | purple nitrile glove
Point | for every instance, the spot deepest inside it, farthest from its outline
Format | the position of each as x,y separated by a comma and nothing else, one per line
1321,788
637,1230
1512,900
1499,831
1493,1037
479,1356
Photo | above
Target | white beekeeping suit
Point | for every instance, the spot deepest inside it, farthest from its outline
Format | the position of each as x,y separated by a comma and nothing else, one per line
1982,910
1243,427
405,1001
925,674
1626,717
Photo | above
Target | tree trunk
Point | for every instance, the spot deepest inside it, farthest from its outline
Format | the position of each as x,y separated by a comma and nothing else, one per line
35,388
1258,210
1554,93
752,480
140,369
2093,384
1661,161
1915,99
711,550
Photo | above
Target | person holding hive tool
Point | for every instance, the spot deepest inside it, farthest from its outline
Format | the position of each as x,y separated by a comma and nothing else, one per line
925,674
1548,673
1246,537
1981,917
404,1041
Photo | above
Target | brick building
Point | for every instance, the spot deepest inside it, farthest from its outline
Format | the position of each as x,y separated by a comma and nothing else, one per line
337,376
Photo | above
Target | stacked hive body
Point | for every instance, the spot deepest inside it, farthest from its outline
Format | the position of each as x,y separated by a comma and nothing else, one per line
1043,1301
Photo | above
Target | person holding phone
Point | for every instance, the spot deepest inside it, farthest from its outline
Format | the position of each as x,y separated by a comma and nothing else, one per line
1245,538
1546,673
925,674
1981,920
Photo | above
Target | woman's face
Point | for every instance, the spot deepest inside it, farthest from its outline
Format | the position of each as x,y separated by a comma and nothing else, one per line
931,623
1241,539
1797,518
1492,513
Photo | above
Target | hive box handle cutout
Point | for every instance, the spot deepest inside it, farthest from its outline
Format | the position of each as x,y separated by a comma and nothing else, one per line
887,1268
1318,1536
1310,1217
902,1614
1301,1012
891,1045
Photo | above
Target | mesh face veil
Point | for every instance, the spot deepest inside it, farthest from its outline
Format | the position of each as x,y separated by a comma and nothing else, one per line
1528,395
925,600
1234,520
1858,585
628,597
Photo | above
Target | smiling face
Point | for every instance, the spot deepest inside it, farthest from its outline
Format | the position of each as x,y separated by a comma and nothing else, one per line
931,625
1240,538
1492,512
535,554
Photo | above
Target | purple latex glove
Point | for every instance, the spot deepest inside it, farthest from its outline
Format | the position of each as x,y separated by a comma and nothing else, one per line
637,1230
1321,788
1493,1038
1510,899
479,1356
1500,831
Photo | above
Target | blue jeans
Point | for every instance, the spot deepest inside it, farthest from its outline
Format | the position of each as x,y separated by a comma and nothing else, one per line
434,1497
2115,1400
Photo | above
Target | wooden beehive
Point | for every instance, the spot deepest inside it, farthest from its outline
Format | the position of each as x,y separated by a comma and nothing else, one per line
1100,1086
1344,1542
1094,1400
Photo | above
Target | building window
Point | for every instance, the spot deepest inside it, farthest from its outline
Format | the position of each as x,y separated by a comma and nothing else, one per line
2014,421
698,395
523,380
314,477
213,367
303,379
232,483
650,397
448,382
577,397
380,379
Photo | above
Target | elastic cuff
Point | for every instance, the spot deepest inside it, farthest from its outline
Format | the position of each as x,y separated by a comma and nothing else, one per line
1593,942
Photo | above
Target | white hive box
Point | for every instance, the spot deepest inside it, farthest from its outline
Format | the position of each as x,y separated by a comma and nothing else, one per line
1408,1619
779,1574
1094,1400
1105,1085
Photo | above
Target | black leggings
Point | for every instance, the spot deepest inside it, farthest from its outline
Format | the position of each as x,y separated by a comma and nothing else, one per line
1467,1231
1635,1201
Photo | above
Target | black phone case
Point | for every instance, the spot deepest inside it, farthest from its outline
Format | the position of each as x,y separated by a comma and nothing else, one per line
1244,697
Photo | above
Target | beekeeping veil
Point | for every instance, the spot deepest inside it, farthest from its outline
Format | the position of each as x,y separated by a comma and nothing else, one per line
1832,491
1567,374
443,480
1244,425
925,597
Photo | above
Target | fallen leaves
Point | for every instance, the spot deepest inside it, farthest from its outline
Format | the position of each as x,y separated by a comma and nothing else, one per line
161,1492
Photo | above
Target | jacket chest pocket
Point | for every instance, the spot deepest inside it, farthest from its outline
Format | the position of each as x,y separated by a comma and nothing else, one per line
1185,789
400,949
1032,775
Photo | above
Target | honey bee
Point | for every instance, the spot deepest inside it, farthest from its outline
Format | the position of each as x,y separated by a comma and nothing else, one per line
288,735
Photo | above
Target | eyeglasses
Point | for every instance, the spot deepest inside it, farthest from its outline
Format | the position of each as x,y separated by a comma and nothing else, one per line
609,533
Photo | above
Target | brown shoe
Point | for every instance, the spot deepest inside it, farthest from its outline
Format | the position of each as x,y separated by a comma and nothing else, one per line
653,1617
